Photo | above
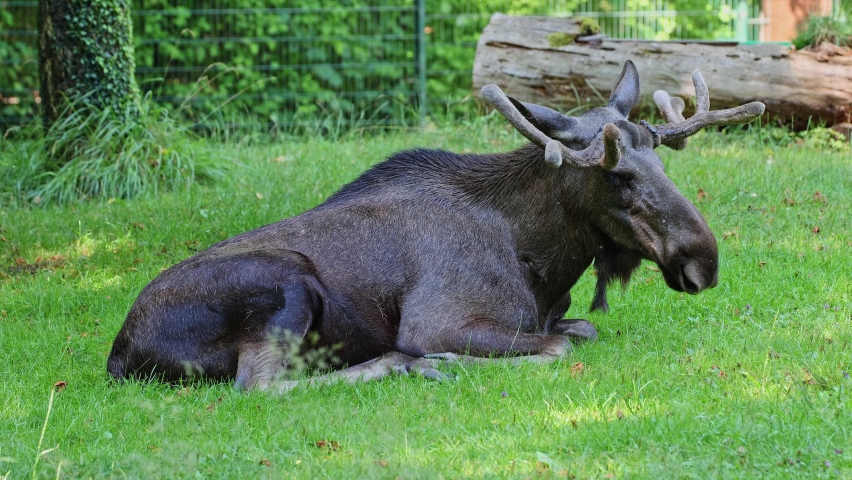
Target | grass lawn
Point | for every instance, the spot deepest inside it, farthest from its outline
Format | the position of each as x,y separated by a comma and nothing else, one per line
746,380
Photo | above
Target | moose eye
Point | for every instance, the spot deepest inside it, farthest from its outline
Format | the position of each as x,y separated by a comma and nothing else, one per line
618,181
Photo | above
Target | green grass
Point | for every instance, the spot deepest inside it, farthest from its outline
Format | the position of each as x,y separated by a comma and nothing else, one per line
746,380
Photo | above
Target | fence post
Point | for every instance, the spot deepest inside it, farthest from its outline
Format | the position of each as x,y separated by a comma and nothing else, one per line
421,57
741,22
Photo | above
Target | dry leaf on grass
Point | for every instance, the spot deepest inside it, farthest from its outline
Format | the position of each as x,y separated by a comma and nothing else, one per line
329,444
212,405
576,369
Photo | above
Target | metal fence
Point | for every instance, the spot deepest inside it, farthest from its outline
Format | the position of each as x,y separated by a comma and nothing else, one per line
373,62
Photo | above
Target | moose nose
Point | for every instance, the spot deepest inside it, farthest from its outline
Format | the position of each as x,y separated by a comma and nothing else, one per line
693,277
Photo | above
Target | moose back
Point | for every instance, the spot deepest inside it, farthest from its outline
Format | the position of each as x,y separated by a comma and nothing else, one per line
434,255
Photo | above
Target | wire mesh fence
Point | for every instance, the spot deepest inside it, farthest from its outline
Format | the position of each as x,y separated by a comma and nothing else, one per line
280,65
367,62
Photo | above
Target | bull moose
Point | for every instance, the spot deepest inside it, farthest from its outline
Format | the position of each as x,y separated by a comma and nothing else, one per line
432,256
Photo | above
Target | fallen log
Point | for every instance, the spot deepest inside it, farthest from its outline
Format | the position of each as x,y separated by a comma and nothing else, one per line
551,61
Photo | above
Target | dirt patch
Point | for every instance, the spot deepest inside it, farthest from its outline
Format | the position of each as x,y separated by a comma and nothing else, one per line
22,266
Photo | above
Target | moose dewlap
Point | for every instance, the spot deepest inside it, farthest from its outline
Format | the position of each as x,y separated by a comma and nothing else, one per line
432,255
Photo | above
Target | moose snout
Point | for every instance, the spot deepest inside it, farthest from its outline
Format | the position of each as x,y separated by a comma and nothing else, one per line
690,253
695,265
691,275
694,276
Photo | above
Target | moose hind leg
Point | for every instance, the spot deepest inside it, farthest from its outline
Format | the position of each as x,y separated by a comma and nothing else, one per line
264,356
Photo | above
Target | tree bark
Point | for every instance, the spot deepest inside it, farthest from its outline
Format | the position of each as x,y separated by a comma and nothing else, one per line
86,49
538,59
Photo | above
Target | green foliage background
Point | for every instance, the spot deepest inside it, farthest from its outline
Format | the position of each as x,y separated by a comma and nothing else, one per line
18,62
280,61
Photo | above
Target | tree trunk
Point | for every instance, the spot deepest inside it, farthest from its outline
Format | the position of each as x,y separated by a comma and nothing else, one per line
86,48
538,59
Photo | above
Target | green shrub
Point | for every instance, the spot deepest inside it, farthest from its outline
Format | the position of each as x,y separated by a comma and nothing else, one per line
823,138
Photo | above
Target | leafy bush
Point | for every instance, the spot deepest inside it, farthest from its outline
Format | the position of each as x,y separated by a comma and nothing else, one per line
823,138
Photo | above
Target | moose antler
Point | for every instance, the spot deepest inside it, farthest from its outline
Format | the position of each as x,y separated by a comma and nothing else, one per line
678,129
606,153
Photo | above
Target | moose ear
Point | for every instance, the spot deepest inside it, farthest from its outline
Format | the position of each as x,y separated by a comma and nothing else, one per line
548,121
625,93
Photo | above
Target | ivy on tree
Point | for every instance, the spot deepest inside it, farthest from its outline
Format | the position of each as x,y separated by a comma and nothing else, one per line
86,48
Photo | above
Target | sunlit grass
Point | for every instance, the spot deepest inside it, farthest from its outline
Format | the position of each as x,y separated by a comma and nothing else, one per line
750,379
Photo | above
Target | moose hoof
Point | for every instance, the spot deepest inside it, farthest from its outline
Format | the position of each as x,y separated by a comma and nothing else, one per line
581,329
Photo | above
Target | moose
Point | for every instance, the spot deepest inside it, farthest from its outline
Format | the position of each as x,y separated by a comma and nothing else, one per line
434,256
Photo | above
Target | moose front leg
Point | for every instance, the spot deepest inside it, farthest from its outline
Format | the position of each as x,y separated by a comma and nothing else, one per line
575,328
524,347
483,339
375,369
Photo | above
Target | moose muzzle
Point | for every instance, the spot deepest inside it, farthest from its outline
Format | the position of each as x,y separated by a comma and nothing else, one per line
690,259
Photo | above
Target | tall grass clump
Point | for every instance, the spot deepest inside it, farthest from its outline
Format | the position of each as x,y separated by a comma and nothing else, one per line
104,154
835,28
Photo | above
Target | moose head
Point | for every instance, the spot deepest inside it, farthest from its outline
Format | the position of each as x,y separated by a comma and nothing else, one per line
625,191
